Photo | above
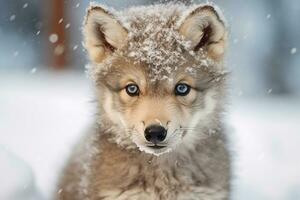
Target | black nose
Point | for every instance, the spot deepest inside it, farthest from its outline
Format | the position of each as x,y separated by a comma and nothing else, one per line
155,133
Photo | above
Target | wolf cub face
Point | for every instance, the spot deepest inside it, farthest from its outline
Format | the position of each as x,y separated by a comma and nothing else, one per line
159,72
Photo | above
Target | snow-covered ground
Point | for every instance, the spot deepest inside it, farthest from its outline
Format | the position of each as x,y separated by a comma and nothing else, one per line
43,114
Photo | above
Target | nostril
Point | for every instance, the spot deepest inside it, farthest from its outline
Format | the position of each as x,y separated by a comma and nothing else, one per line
155,133
148,137
161,136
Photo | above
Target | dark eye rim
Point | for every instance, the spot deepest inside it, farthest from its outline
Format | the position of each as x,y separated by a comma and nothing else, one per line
132,94
182,94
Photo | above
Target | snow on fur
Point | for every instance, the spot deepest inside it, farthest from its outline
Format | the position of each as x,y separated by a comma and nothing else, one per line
153,39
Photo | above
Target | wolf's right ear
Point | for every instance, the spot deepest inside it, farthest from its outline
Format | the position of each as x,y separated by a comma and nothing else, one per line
103,34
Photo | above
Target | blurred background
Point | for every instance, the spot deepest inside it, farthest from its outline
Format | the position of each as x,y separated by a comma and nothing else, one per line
45,96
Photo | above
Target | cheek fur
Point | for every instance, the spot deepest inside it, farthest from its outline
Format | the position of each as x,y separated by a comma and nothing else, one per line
189,99
111,108
204,106
125,99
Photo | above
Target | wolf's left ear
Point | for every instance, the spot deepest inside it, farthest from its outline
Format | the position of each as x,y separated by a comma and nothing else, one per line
204,29
103,34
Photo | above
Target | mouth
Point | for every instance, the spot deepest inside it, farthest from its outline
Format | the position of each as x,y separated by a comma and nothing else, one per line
156,146
155,149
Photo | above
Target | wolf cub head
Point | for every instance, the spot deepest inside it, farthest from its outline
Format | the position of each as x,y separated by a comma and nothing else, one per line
159,73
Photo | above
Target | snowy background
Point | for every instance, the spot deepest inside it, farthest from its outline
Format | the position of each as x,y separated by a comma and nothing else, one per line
45,102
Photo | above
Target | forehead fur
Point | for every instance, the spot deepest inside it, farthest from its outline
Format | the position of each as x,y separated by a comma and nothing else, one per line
154,43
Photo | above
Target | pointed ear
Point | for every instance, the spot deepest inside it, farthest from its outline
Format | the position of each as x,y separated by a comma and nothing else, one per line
204,29
103,34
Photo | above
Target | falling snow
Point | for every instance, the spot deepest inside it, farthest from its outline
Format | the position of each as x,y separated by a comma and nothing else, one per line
270,90
75,47
59,49
293,50
12,17
235,41
53,38
25,5
33,70
240,93
16,53
67,25
60,20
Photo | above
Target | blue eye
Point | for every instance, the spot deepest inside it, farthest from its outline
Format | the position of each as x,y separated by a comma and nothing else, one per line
132,90
182,89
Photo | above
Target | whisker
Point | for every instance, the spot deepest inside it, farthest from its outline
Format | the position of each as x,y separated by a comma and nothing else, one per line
186,128
196,105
